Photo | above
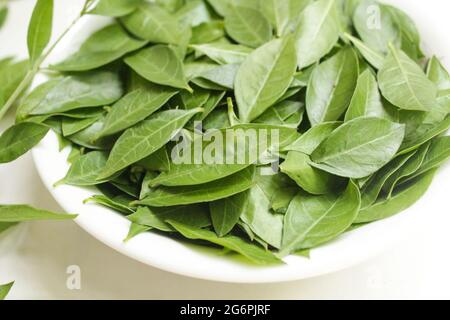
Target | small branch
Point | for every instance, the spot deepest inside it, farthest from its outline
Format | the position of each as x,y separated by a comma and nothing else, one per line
36,67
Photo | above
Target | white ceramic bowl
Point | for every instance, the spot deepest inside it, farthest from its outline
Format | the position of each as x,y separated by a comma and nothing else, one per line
199,262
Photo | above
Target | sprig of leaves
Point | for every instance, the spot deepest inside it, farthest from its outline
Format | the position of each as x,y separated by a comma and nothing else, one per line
39,33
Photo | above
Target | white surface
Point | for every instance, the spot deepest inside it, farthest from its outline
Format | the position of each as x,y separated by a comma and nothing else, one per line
413,269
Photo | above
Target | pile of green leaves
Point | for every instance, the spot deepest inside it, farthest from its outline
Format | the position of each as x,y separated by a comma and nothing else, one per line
361,112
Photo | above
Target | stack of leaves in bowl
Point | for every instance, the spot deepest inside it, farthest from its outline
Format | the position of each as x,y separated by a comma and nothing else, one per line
354,112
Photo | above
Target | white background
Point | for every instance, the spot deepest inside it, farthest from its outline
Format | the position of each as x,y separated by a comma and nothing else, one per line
37,255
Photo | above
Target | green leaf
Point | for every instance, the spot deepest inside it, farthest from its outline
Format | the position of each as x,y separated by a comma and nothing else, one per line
11,75
207,32
225,213
313,220
149,176
4,290
40,29
424,134
404,84
153,23
193,13
220,6
314,181
264,77
317,32
218,119
159,64
80,114
248,26
21,213
223,7
135,230
415,160
366,100
19,139
115,8
331,87
214,100
437,73
287,113
3,14
400,201
194,69
85,169
32,100
437,154
410,37
118,203
301,78
171,5
88,137
282,198
90,89
196,216
214,163
405,23
278,13
145,138
311,139
258,216
223,53
346,8
71,126
282,13
158,161
359,147
251,236
252,252
6,225
375,26
134,107
375,58
192,100
223,76
208,85
371,190
126,183
207,192
101,48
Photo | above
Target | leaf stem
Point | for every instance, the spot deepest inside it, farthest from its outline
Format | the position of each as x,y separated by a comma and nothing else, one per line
36,67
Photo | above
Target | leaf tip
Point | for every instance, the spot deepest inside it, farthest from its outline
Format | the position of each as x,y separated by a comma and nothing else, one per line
59,183
135,203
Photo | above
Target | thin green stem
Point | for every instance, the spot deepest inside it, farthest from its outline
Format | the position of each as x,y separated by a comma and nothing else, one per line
36,67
